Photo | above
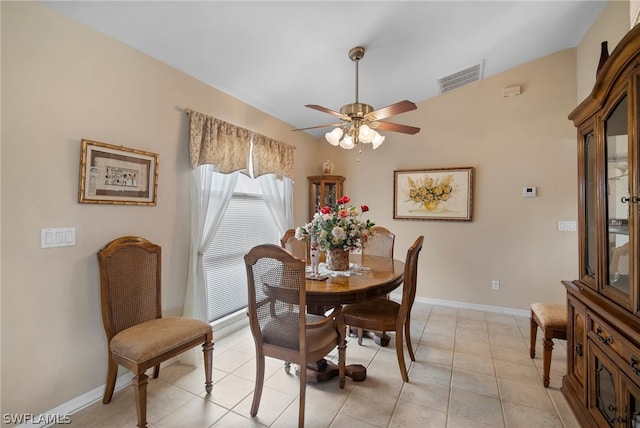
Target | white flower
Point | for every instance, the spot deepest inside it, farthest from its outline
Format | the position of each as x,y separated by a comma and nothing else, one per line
338,233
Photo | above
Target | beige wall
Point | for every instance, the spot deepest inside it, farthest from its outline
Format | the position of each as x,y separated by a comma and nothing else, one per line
612,25
514,142
62,82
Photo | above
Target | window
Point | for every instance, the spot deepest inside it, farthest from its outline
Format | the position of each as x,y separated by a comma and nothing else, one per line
246,223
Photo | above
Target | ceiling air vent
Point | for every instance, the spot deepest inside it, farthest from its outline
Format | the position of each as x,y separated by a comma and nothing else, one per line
461,78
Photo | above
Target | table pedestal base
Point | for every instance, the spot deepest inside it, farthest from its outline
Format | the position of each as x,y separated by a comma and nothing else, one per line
324,370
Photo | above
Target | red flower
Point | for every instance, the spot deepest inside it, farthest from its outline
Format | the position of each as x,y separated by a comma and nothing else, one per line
364,208
325,210
344,200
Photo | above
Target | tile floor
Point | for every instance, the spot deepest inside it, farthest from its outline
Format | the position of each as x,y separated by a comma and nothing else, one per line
472,369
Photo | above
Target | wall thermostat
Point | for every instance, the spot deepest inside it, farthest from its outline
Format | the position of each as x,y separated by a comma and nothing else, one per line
529,192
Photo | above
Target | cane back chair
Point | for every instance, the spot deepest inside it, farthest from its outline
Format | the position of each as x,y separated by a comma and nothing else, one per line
138,337
382,314
297,247
279,323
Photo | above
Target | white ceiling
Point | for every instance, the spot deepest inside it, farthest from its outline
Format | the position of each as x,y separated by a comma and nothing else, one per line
280,55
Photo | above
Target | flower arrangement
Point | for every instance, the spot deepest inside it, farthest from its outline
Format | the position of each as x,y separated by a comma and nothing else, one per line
429,192
338,227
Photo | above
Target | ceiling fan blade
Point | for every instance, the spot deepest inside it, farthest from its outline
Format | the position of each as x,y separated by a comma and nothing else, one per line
392,110
395,127
325,110
319,126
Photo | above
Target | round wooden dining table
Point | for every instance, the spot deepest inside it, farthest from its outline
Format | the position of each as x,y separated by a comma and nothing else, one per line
368,277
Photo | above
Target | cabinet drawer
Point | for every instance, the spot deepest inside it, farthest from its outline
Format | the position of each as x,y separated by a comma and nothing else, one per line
609,338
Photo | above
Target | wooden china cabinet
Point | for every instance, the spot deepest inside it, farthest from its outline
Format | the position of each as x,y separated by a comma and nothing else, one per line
602,384
324,190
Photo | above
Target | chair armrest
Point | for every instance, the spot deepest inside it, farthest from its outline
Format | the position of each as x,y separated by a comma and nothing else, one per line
333,316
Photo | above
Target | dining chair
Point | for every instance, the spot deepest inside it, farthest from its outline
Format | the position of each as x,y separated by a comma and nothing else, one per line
382,314
138,337
297,247
280,326
380,242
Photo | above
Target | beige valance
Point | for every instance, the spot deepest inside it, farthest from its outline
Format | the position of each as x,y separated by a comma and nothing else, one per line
227,147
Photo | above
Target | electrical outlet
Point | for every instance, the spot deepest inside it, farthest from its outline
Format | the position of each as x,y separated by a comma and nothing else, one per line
495,285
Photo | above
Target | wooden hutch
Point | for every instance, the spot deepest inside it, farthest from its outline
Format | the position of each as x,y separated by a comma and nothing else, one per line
602,384
324,190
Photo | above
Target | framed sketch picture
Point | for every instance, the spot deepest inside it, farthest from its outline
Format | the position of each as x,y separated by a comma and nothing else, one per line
433,194
117,175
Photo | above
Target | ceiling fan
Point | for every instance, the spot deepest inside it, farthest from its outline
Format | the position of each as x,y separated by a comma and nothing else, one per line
359,121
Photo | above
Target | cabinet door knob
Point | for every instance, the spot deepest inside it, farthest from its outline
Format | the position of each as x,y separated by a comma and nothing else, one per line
632,199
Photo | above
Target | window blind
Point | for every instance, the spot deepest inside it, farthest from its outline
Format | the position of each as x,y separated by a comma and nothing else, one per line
246,223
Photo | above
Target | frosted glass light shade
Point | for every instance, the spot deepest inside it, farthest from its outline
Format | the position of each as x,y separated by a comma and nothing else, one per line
334,136
347,142
366,134
377,140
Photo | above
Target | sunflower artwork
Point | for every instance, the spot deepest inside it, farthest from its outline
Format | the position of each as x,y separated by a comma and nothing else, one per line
443,194
429,193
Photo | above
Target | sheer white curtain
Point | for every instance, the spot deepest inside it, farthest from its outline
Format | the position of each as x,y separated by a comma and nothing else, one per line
278,196
203,186
215,145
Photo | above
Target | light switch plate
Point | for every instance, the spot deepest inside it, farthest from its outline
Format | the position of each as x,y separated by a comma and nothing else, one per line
58,237
566,226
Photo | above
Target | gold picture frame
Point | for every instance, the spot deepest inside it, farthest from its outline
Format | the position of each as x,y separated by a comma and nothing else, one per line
433,194
117,175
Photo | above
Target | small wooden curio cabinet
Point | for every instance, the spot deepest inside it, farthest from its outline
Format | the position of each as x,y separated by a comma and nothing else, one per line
602,384
324,190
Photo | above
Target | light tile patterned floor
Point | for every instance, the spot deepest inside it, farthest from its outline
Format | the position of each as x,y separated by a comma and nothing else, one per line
472,369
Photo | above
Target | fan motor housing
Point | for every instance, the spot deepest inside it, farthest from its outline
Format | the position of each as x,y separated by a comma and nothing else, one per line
356,109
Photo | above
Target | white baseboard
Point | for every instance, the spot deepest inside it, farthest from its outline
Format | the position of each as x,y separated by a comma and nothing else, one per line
473,306
76,404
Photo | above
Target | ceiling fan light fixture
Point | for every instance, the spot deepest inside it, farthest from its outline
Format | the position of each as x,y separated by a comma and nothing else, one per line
378,139
347,142
359,119
334,136
366,134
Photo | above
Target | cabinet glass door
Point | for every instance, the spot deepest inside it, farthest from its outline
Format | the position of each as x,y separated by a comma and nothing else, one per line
330,194
631,403
603,397
617,174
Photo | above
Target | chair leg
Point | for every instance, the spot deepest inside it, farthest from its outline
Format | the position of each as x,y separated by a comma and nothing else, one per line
342,355
139,383
360,335
112,374
257,392
303,390
207,349
400,353
407,337
546,360
533,330
156,371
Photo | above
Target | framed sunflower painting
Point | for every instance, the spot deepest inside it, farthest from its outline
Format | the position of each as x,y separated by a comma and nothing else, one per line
433,194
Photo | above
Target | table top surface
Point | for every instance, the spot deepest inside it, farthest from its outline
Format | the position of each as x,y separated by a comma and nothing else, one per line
380,276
